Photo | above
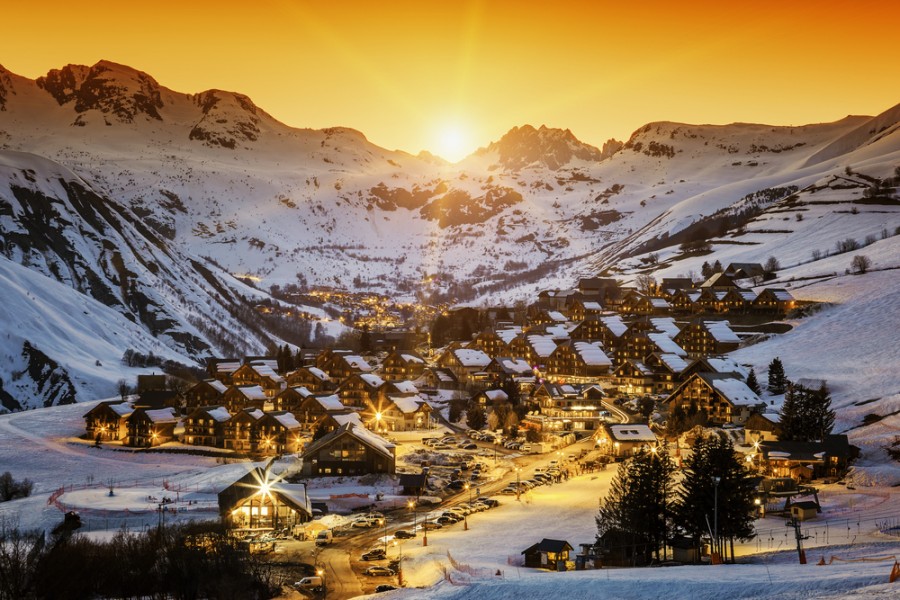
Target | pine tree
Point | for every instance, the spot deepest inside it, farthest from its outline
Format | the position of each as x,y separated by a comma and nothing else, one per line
475,418
717,267
753,384
806,414
791,421
706,270
701,497
638,506
777,379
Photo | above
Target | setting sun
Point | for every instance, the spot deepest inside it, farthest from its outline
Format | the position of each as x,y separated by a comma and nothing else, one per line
453,142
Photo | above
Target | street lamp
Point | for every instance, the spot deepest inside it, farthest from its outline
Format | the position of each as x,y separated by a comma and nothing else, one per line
412,505
321,573
465,514
716,481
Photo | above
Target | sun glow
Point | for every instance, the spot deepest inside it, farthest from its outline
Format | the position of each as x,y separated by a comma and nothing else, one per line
453,141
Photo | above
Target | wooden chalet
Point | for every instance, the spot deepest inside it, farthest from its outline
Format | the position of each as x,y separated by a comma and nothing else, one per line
623,440
774,300
398,412
312,378
607,329
668,371
599,288
204,393
504,369
259,502
828,458
634,378
548,554
438,378
261,374
361,389
725,398
349,450
568,407
315,408
278,434
241,433
151,427
703,338
744,270
685,301
760,428
468,365
580,309
490,343
489,398
205,426
239,397
221,369
719,281
108,421
343,366
399,366
578,361
291,398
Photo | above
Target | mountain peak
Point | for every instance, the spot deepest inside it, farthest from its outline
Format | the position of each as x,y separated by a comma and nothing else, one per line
111,88
551,147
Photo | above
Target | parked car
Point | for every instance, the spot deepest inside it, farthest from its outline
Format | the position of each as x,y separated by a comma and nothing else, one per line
384,587
378,570
447,520
374,554
469,446
403,534
313,584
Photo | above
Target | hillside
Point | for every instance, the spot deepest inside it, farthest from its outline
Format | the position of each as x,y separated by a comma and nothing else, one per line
152,201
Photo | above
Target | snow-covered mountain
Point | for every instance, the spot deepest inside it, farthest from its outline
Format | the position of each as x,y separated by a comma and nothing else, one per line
150,198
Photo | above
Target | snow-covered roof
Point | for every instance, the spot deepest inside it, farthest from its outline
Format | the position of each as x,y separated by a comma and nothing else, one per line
736,391
665,325
295,493
721,331
747,295
264,370
727,365
412,358
496,395
228,366
508,335
780,294
217,385
357,362
319,373
161,415
633,432
405,387
372,380
332,402
407,404
123,409
592,354
352,417
557,332
665,344
514,365
287,420
674,362
302,391
372,438
615,324
659,303
640,367
472,358
219,413
252,392
543,345
592,305
556,316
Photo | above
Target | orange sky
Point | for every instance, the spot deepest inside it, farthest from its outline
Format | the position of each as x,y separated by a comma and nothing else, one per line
414,75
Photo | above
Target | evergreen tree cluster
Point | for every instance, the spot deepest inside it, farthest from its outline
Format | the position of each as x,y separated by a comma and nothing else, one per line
644,510
777,380
806,414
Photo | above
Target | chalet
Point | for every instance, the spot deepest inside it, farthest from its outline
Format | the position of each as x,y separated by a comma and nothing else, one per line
398,366
398,412
578,360
711,299
360,389
315,408
670,285
155,399
724,398
312,378
665,325
624,440
599,288
737,300
349,450
205,426
554,299
258,501
633,377
151,427
685,301
805,510
636,303
607,329
291,398
278,434
341,366
548,554
702,338
221,369
668,369
504,369
568,407
719,281
205,393
664,344
547,317
760,428
490,343
413,484
440,379
489,398
774,300
716,364
241,433
239,397
581,309
827,458
108,421
635,344
745,270
467,365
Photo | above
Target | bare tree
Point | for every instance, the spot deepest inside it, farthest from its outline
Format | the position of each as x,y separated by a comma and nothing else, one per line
860,264
646,284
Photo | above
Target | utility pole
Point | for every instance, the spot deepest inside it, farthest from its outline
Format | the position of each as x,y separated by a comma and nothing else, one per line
716,481
795,523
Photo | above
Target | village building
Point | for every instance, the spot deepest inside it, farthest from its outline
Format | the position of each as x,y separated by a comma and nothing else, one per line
505,369
634,378
468,365
703,338
548,554
724,398
737,270
262,374
774,300
802,461
205,426
241,434
314,409
398,412
578,361
607,329
151,427
312,378
343,366
567,407
489,398
399,366
221,369
108,421
361,390
349,450
581,309
258,502
278,434
204,393
668,371
291,398
239,397
624,440
685,301
760,428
